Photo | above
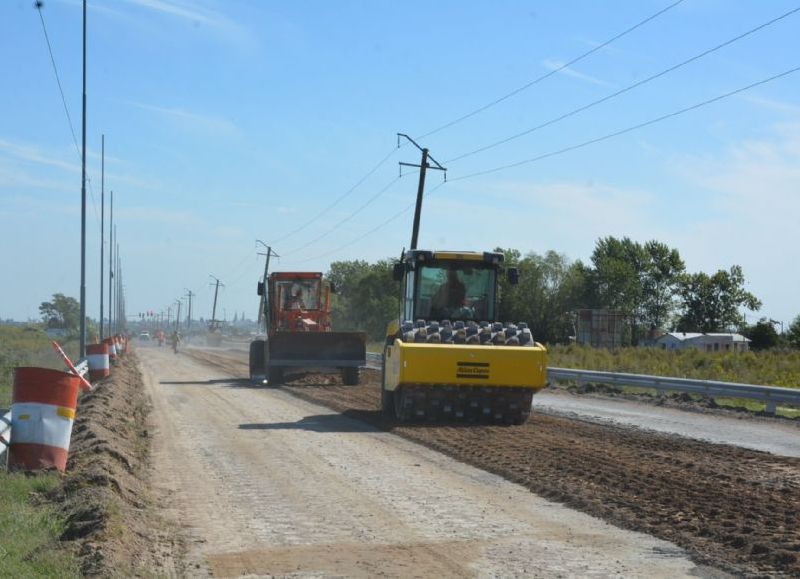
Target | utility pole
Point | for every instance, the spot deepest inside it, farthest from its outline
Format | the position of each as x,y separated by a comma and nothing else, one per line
82,350
110,261
263,313
102,226
178,316
216,293
189,294
423,167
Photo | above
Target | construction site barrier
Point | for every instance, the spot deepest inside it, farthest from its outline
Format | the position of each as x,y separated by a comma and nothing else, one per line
42,412
99,364
112,349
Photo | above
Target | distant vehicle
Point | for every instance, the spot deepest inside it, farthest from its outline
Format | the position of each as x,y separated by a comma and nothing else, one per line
144,337
297,307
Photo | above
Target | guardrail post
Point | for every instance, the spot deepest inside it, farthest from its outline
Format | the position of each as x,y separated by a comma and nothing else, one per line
772,407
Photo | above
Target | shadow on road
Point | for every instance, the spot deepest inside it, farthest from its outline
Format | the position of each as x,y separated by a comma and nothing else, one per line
316,423
230,381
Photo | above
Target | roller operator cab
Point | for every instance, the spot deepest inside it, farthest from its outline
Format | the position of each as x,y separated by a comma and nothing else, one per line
296,308
445,357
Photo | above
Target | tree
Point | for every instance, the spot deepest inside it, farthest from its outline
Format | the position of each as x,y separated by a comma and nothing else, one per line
662,274
793,334
617,274
712,303
550,288
61,312
762,335
367,297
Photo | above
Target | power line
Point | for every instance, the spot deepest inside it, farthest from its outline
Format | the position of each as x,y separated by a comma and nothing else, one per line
551,73
38,5
375,229
629,129
566,150
338,199
346,219
627,88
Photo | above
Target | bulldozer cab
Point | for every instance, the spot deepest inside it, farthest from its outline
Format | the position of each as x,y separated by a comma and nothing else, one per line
298,301
450,285
296,294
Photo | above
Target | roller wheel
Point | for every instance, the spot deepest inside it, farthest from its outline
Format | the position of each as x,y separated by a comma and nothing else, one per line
403,405
351,376
387,398
274,375
257,349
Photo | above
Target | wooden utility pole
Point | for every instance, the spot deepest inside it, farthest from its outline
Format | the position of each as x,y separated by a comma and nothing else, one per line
263,308
423,167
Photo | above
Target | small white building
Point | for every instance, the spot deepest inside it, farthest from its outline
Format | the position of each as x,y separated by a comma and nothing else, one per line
712,342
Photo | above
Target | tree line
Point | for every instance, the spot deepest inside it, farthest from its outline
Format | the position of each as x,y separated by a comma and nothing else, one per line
647,282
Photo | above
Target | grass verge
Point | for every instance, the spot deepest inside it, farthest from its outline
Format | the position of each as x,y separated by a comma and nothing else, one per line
31,527
27,346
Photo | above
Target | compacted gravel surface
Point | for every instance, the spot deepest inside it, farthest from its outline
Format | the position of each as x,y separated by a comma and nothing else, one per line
732,508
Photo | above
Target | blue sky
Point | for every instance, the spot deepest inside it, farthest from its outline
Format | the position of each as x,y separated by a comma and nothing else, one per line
231,121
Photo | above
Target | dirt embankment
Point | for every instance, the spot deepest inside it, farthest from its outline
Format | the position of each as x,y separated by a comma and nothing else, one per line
111,518
732,508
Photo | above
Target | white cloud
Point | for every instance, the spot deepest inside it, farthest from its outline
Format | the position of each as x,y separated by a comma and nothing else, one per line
32,154
773,105
557,65
754,189
200,15
192,120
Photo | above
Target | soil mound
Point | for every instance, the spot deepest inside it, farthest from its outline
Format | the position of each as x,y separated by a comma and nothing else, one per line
110,516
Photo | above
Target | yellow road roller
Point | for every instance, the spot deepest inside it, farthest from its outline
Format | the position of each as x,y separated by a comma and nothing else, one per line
446,358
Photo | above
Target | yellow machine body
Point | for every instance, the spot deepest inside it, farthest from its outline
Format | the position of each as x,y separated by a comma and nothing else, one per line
515,367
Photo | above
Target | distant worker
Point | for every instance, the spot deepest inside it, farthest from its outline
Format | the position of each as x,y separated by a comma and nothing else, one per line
175,339
450,296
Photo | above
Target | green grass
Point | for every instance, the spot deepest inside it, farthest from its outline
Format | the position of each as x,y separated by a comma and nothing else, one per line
27,346
29,541
770,368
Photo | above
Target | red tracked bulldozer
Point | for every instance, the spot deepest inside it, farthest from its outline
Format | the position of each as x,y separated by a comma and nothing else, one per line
299,335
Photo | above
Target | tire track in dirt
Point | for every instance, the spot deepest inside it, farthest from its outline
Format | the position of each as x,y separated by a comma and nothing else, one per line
732,508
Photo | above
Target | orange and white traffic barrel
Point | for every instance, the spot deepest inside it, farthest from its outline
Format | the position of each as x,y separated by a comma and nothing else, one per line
99,365
42,413
112,349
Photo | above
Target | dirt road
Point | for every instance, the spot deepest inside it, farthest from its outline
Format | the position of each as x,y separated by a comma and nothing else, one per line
267,484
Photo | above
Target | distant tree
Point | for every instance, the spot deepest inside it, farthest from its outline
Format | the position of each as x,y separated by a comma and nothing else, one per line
793,334
713,303
616,277
366,298
550,288
343,274
639,280
762,335
660,279
61,312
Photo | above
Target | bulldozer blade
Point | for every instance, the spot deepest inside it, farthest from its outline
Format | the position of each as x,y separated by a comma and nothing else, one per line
318,349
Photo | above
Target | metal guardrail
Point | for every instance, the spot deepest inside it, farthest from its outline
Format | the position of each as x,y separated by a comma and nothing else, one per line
771,395
5,420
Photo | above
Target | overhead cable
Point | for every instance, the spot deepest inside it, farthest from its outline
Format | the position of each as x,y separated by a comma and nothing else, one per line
550,73
628,129
627,88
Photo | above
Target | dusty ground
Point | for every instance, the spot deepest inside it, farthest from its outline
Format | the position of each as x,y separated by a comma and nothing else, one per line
268,484
112,519
731,508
